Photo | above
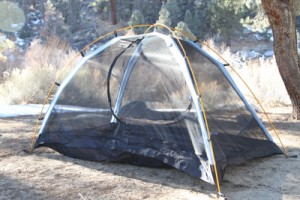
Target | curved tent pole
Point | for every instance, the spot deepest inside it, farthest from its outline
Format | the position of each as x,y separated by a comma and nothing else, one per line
187,61
70,77
232,83
80,53
199,106
244,82
131,63
195,97
125,79
207,141
78,66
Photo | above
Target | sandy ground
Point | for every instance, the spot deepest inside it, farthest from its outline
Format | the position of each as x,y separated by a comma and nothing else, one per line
46,174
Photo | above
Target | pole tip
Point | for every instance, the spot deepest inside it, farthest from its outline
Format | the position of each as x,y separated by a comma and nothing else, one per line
221,196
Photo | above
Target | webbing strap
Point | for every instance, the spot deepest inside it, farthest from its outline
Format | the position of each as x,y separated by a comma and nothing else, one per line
81,53
197,40
58,84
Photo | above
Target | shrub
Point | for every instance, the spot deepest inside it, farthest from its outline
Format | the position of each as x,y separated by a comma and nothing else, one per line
30,81
5,45
26,85
260,74
264,79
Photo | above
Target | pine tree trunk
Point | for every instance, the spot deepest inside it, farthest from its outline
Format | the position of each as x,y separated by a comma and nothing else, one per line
113,12
282,19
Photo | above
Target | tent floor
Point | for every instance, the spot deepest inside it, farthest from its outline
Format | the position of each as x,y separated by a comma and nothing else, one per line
154,146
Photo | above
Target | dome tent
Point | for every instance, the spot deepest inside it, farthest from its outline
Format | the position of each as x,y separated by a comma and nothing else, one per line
154,100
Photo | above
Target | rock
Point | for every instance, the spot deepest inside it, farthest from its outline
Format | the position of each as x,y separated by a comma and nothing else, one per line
31,15
261,48
247,30
35,21
268,53
34,28
20,42
248,55
270,32
76,38
258,37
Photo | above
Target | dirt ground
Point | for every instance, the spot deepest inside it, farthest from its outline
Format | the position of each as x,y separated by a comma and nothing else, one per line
46,174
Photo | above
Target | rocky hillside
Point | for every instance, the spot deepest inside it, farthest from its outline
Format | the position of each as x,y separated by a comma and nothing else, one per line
80,22
44,18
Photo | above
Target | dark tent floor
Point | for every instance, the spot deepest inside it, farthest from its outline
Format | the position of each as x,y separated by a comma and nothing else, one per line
144,145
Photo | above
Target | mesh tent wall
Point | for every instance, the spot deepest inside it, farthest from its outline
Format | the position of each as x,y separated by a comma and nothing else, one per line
136,99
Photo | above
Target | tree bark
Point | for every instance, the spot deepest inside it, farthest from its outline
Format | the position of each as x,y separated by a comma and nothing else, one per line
282,18
113,12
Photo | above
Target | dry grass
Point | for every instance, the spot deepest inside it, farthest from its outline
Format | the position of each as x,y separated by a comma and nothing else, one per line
261,75
30,79
264,79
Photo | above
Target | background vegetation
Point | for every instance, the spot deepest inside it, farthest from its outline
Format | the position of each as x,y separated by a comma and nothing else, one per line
54,30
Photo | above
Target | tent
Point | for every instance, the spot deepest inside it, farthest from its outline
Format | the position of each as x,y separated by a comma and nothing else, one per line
154,100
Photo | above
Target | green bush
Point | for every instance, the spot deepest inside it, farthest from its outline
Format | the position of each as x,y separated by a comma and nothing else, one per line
137,18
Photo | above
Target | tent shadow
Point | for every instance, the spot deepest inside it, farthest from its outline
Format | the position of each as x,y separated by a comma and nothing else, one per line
15,189
168,177
257,177
250,180
265,178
